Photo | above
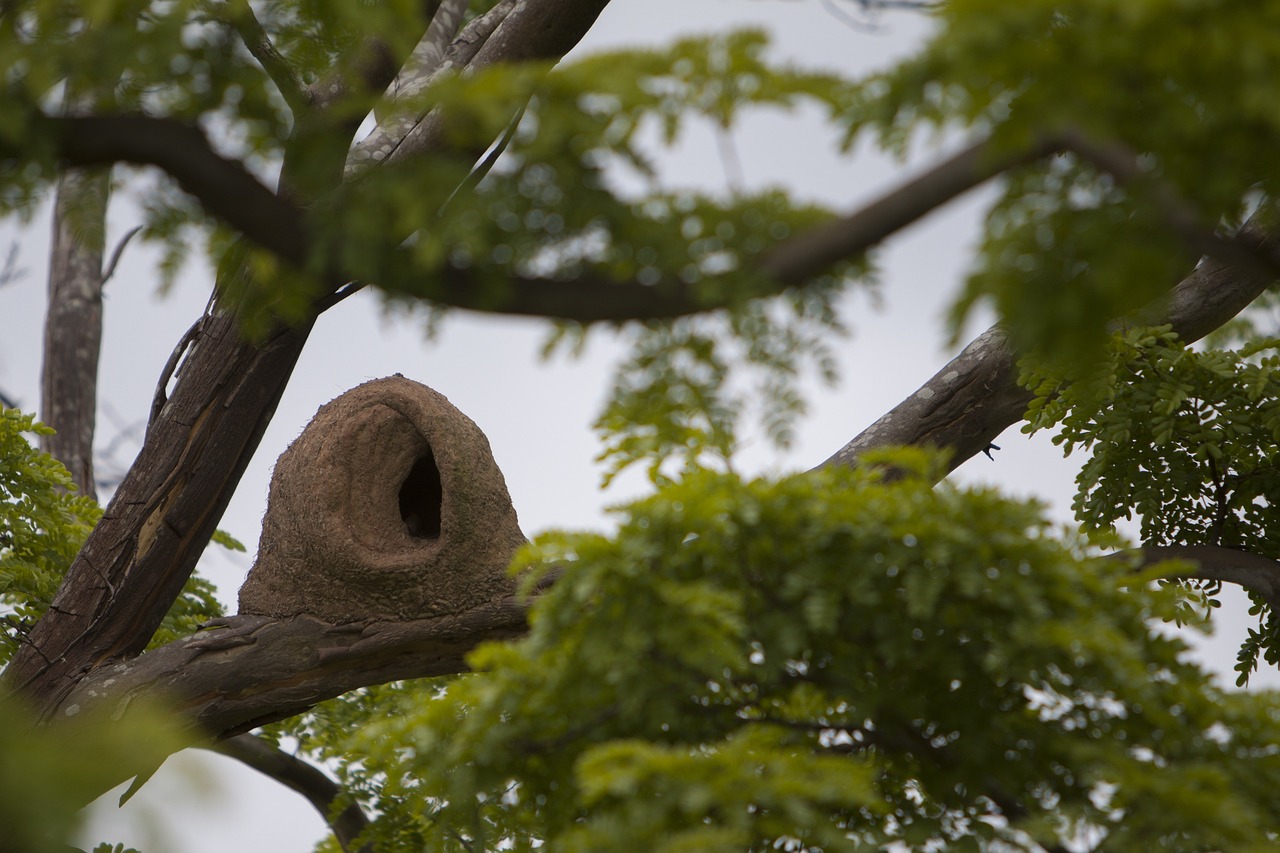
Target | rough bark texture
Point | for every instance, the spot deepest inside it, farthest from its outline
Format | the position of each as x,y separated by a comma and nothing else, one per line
976,396
162,515
73,322
245,671
388,506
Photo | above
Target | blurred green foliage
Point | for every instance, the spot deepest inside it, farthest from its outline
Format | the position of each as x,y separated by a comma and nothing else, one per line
824,661
48,774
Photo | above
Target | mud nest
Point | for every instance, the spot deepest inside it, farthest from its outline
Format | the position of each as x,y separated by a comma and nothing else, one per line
389,506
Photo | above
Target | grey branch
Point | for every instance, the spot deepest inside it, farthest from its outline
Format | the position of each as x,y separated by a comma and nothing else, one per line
118,252
260,46
975,397
430,60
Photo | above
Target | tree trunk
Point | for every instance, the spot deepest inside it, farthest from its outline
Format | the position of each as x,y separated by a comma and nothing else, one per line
159,521
73,322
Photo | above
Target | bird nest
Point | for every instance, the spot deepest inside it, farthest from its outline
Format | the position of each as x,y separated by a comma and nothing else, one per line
389,506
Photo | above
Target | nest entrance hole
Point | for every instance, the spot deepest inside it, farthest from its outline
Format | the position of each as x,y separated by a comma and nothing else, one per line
420,497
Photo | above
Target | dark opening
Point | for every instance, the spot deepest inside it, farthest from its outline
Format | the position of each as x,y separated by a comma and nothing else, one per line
420,498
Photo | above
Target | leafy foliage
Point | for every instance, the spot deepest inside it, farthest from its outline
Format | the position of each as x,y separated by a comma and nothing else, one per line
1184,83
821,662
1187,441
827,661
43,523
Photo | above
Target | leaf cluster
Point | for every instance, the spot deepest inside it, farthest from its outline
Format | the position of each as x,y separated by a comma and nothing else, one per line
829,661
1184,83
43,524
1185,441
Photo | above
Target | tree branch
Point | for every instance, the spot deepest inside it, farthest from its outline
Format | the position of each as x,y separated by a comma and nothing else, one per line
260,46
73,322
592,297
423,68
976,396
304,778
246,671
1251,571
523,36
223,186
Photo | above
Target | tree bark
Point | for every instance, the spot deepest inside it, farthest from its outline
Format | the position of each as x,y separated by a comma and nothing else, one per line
245,671
161,517
73,322
976,396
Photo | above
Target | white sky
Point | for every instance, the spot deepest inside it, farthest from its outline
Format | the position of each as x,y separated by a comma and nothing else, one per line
537,414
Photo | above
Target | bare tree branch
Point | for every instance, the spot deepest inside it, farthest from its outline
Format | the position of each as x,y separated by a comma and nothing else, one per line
118,252
247,671
73,322
224,186
523,36
260,46
1251,571
304,778
425,67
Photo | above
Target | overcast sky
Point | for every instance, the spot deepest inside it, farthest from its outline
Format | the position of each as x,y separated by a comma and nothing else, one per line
537,414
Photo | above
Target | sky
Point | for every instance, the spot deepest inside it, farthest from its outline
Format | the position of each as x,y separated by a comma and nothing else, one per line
535,413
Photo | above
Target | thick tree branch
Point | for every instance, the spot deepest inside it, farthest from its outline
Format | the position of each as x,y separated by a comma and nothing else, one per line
159,521
1251,571
73,322
137,559
425,66
531,32
247,671
975,397
305,779
591,297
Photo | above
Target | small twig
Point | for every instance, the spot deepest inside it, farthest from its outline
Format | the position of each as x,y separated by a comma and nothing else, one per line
478,174
10,272
117,252
304,778
332,299
170,367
